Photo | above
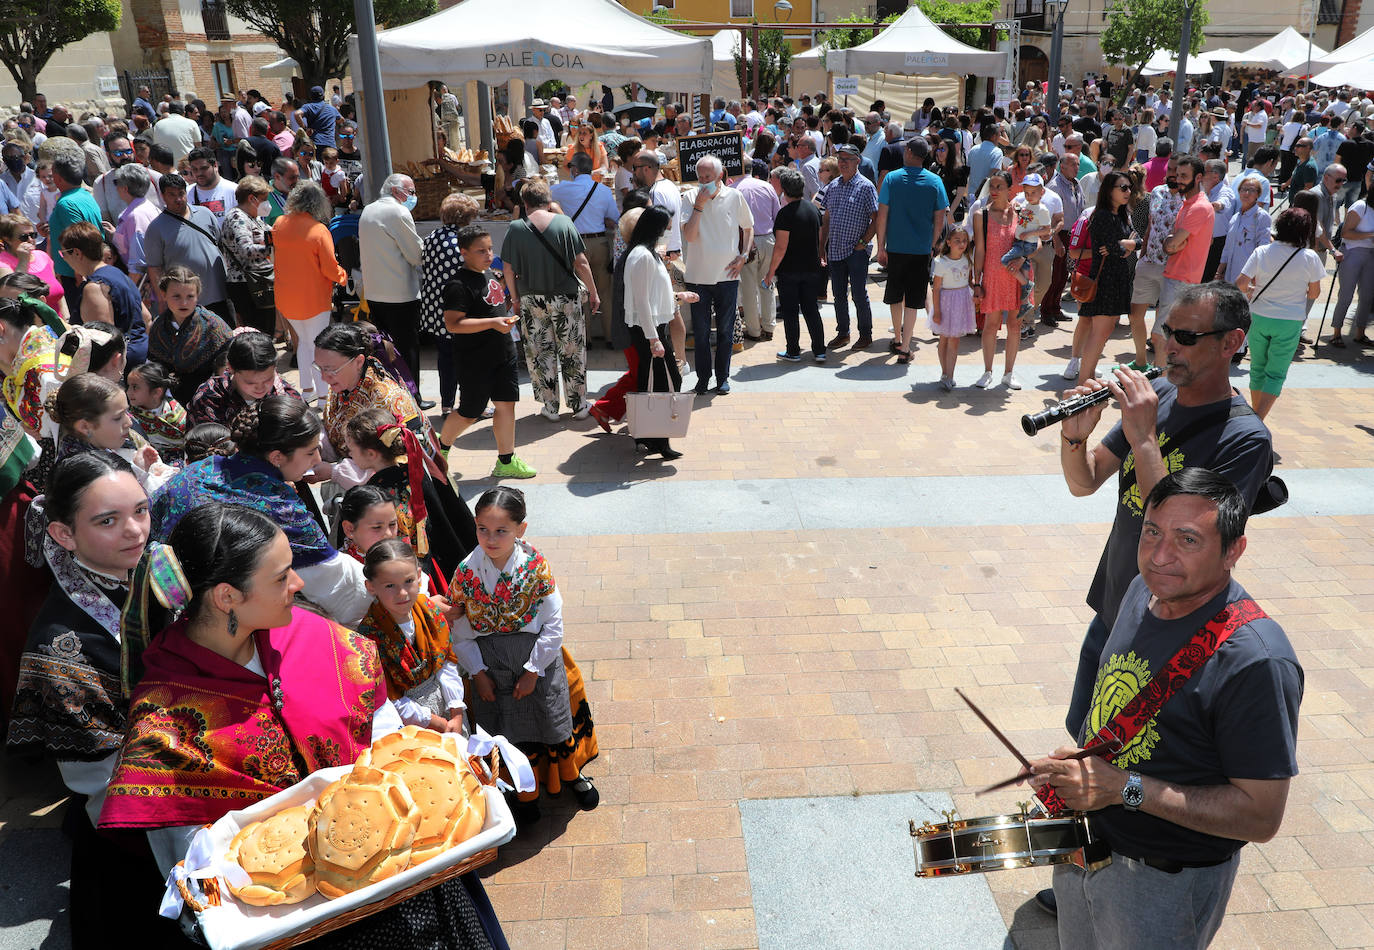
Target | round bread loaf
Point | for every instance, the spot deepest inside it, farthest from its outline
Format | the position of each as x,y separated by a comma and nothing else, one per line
450,799
274,854
361,830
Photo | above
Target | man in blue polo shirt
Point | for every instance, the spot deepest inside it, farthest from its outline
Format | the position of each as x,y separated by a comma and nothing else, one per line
911,212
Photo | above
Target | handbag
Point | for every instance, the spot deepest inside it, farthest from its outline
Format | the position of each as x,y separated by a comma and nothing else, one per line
1082,287
655,415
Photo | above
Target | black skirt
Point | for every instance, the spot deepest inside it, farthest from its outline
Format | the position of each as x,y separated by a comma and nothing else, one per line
456,915
1114,281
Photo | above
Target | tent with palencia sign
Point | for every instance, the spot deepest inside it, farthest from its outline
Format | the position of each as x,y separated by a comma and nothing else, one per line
914,45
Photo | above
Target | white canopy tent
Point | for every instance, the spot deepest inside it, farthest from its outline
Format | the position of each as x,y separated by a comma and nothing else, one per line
495,41
1163,61
1358,48
913,45
283,68
1285,52
1358,73
724,77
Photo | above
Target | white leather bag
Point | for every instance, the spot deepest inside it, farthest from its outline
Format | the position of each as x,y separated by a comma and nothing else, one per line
654,415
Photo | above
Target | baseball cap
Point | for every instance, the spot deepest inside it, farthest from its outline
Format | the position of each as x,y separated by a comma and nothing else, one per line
1032,181
848,150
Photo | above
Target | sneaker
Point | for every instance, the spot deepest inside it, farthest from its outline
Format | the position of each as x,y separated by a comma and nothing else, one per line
549,414
682,368
585,792
489,412
790,357
582,413
1071,371
818,357
515,468
1025,311
947,384
724,388
1010,381
985,380
1027,331
841,339
738,348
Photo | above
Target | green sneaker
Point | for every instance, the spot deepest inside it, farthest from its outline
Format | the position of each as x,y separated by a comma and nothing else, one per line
515,468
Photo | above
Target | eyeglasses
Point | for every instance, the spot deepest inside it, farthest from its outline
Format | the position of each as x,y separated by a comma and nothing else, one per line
332,371
1187,337
122,153
1338,181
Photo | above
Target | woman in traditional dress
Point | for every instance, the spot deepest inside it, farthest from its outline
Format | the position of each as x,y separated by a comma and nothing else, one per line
186,336
252,694
357,382
278,442
251,376
70,703
509,637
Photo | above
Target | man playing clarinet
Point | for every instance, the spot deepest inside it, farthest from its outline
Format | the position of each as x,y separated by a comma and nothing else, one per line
1189,417
1198,692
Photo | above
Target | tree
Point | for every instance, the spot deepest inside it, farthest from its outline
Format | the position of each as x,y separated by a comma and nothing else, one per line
774,59
1137,28
315,32
31,31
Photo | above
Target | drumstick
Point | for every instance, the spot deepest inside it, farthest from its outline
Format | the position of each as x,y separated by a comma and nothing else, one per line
1097,748
995,731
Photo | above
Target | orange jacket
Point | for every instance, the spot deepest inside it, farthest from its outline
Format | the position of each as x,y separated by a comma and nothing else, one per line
303,255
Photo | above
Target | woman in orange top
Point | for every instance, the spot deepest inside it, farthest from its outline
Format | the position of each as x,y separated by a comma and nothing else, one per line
585,140
306,274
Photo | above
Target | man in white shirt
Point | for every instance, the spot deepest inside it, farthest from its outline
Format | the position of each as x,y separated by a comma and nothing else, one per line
1262,168
593,212
210,191
390,251
717,222
540,109
809,164
21,180
1224,202
176,133
242,121
1255,126
1341,106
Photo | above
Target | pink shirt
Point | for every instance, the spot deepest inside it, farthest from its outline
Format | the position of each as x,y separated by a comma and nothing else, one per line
1156,170
40,265
1196,217
285,140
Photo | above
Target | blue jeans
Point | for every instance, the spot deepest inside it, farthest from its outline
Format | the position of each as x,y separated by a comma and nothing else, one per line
851,271
718,299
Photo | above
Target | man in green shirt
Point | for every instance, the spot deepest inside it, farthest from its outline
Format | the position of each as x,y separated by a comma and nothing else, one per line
75,204
285,174
1305,171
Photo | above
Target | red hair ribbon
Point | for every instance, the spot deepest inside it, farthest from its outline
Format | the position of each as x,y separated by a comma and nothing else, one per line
417,463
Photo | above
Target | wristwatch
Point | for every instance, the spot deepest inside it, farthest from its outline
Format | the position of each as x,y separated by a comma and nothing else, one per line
1133,793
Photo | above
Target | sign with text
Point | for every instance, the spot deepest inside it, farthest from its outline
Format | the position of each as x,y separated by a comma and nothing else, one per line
1004,94
846,85
726,146
927,60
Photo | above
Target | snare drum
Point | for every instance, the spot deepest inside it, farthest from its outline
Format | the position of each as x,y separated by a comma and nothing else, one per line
977,845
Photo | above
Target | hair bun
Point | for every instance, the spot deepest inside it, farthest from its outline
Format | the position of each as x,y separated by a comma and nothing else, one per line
244,431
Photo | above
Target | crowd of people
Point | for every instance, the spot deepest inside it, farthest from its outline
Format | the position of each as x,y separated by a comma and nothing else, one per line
154,459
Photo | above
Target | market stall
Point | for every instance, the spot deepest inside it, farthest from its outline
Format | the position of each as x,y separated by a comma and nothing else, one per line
1285,52
812,71
912,45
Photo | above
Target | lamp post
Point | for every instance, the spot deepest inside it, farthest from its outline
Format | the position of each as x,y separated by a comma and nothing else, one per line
1185,43
374,104
1056,56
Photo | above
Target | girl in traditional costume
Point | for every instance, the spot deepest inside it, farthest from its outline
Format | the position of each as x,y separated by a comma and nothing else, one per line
252,375
207,439
92,415
412,636
247,694
69,702
186,336
278,442
157,416
510,637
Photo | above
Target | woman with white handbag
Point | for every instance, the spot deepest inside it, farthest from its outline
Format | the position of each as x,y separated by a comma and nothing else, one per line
654,411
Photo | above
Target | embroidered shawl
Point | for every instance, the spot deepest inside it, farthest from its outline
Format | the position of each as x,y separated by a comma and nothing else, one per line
164,427
242,480
515,601
188,349
218,401
375,390
407,666
16,450
68,700
207,735
33,377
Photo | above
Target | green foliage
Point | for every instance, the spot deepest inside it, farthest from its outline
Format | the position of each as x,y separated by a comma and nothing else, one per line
774,59
1136,28
939,11
31,31
315,32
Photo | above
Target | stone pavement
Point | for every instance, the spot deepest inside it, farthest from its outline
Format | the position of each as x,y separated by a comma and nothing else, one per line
772,628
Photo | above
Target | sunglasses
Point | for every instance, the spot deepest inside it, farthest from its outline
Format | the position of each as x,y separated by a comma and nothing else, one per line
346,136
29,236
1187,337
122,153
1123,186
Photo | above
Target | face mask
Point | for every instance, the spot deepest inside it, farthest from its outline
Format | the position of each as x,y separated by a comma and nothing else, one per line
710,188
410,202
15,164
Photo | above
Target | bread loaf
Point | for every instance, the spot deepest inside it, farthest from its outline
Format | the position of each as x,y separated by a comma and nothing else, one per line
361,830
274,854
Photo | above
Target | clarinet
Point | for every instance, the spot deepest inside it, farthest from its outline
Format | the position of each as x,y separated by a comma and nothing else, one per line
1033,422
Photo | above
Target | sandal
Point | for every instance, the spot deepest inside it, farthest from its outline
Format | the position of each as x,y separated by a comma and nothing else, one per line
1338,342
903,357
892,346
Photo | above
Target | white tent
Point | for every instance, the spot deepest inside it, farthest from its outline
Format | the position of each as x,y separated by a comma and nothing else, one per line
1358,73
724,77
1358,48
1223,55
1285,52
914,45
495,41
283,68
1163,61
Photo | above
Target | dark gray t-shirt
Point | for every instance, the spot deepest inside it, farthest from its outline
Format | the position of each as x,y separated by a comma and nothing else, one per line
1235,717
170,240
1237,445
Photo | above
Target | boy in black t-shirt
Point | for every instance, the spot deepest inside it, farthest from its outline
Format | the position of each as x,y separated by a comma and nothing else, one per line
475,313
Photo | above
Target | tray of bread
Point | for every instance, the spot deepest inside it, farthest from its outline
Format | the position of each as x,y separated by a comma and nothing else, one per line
346,842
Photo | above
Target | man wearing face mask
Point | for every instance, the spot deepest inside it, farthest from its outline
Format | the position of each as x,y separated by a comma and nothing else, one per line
21,180
105,189
390,251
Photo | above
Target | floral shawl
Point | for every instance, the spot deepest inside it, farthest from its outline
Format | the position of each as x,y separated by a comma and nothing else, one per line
207,735
33,377
193,346
407,666
218,401
514,603
163,427
375,390
242,480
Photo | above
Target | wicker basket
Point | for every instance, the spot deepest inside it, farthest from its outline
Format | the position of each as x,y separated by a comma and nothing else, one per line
429,195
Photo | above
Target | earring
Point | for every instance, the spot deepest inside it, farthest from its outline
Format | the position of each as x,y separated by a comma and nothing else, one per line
233,625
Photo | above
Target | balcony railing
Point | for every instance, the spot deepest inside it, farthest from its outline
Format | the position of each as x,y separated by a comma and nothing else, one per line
215,19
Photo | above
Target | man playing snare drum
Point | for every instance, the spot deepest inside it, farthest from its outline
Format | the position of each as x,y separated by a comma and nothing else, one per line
1210,769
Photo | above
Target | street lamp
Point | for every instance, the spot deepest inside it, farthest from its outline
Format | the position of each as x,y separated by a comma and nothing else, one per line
1055,9
659,8
782,9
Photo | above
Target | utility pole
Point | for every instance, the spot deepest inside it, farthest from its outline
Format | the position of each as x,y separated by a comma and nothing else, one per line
1185,43
374,103
1056,57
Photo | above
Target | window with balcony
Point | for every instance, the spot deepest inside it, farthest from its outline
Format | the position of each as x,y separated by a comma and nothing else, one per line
215,19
